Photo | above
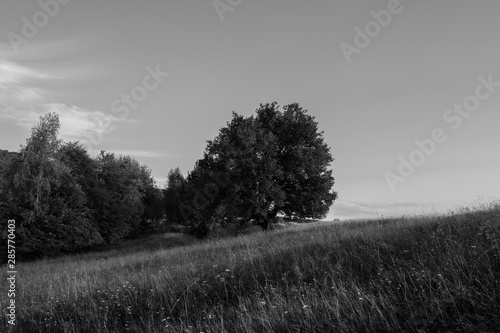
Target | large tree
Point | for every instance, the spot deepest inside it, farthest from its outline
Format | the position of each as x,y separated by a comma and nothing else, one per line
276,162
53,216
304,158
248,153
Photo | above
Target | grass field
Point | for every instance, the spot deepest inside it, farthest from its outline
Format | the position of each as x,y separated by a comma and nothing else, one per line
422,274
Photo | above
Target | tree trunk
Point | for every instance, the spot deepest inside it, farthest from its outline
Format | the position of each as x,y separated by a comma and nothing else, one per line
264,224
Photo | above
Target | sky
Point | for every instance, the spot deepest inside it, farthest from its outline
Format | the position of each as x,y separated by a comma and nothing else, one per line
406,92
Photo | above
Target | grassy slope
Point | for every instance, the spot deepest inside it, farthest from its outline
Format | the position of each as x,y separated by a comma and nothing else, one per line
429,274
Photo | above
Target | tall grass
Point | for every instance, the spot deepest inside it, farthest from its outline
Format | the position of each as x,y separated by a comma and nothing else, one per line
423,274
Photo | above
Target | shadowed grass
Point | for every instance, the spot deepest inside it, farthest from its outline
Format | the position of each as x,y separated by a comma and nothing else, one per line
427,274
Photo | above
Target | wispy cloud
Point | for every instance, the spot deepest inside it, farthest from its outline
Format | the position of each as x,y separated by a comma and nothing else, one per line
24,96
76,123
47,50
16,84
15,73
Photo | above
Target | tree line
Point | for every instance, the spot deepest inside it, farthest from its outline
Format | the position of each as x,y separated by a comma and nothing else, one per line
64,200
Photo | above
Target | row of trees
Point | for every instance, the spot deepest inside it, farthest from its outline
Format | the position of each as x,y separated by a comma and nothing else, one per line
64,200
273,162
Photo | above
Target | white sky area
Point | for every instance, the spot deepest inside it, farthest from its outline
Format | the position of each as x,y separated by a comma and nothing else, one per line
156,79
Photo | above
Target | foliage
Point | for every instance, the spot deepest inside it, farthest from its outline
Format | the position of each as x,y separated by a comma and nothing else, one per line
304,158
153,205
63,200
51,214
122,185
275,162
248,154
173,195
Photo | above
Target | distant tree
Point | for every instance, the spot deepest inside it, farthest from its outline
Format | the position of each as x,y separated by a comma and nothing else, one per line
53,214
39,161
153,206
122,187
84,170
200,207
173,196
64,200
151,197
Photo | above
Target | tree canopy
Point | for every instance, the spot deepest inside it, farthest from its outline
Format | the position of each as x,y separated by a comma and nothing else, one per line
276,162
63,200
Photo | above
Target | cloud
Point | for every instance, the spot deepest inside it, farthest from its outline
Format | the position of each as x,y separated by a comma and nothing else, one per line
51,58
77,124
27,94
15,73
24,96
16,84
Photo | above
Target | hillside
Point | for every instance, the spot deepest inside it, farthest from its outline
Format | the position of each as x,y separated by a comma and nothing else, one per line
422,274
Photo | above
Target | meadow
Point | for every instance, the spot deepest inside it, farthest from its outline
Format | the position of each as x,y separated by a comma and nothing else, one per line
435,273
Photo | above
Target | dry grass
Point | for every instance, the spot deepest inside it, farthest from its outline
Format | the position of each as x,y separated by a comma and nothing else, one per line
427,274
